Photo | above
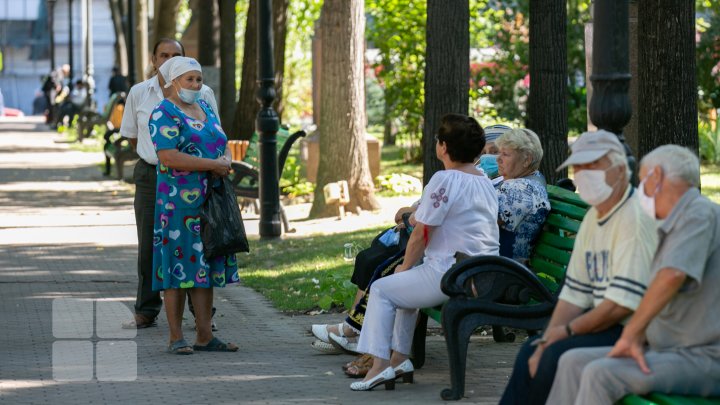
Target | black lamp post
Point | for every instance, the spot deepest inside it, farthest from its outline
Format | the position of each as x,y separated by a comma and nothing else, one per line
267,124
70,43
51,31
610,107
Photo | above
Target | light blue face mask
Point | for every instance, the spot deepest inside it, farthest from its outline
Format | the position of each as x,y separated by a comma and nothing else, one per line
189,96
488,163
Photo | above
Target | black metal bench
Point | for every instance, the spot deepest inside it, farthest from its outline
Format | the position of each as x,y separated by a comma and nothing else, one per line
494,290
116,147
246,178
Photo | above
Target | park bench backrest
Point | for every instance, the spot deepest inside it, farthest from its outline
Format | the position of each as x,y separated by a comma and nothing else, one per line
554,246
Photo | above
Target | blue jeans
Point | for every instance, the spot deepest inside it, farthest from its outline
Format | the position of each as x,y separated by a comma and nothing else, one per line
523,389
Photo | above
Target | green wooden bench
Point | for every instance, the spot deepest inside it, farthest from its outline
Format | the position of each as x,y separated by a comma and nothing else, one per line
656,398
494,290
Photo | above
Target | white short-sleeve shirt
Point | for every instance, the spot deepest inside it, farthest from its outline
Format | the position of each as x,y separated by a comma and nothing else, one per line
141,101
463,209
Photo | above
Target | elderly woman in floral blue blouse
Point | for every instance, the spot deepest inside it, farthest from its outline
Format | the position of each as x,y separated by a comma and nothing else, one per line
522,198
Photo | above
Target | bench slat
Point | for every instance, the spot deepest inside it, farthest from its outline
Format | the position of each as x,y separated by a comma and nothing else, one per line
552,253
664,399
539,266
568,196
557,241
563,223
569,210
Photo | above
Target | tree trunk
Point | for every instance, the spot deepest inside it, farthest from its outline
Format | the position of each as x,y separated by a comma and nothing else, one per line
547,102
227,63
447,71
142,56
207,33
280,8
247,107
121,55
164,23
667,94
343,147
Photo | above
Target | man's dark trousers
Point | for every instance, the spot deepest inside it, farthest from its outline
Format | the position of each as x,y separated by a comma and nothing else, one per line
522,389
148,302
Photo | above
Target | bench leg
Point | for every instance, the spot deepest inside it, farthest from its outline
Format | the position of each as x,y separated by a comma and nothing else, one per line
108,165
418,345
500,336
285,222
457,336
120,167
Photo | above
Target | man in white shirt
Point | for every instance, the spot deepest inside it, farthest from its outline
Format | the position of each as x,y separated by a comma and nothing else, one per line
141,100
607,274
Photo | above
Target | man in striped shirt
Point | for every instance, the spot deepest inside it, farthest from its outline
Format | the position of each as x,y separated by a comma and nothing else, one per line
607,274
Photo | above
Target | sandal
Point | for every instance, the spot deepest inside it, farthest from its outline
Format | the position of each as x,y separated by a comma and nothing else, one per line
360,368
358,360
139,322
216,345
320,331
180,346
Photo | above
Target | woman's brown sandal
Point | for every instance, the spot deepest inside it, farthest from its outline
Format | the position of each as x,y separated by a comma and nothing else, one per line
359,367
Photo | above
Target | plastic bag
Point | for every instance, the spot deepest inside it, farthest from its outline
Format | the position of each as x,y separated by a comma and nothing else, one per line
390,238
221,226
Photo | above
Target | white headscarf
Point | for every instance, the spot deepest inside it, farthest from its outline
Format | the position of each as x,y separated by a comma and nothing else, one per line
176,67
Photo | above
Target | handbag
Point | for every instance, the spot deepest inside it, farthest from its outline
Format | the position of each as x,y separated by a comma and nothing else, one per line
221,226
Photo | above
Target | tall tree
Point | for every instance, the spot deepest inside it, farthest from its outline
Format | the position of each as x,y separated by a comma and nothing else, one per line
164,23
547,103
343,147
208,28
121,51
667,90
447,71
142,55
247,108
227,62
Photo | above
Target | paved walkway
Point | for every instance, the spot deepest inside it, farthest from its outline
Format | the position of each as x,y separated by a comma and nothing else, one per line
68,232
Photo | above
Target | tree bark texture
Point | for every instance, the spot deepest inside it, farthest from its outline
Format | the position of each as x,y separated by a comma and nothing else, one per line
166,13
227,63
343,147
447,71
121,51
667,94
247,108
547,102
142,54
208,29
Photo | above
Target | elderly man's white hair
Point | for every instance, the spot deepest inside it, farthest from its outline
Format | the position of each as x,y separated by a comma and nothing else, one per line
677,163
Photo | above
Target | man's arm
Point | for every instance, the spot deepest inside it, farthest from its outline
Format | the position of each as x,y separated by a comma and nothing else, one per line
663,288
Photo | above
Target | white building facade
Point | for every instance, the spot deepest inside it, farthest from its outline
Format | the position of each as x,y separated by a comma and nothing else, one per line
25,47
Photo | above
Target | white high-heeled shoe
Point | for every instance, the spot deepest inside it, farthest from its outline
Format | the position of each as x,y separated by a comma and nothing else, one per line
321,331
406,371
387,377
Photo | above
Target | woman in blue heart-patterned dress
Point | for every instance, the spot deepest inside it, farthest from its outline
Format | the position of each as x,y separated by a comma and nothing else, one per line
191,149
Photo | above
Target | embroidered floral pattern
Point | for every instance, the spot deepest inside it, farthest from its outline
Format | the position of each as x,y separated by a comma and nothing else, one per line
439,197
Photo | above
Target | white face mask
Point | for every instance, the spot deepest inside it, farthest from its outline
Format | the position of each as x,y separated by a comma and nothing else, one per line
592,186
647,202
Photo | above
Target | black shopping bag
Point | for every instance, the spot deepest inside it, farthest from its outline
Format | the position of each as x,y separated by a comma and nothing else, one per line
221,226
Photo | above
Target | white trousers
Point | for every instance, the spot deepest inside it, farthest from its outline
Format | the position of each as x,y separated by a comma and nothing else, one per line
393,307
588,376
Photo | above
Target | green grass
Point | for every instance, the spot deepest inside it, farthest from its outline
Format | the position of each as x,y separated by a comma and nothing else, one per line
710,181
291,272
392,162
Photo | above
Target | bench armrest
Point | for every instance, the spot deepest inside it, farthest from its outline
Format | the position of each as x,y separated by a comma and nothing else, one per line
494,278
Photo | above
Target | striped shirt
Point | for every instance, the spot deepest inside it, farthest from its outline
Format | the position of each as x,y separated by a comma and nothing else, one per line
611,257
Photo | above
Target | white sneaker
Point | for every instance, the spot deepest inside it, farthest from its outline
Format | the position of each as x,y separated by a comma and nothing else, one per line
325,348
321,331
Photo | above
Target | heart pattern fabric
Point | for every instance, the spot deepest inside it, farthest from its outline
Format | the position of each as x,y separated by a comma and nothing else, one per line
178,255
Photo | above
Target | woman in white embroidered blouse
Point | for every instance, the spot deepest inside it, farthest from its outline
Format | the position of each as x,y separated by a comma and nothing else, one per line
457,212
